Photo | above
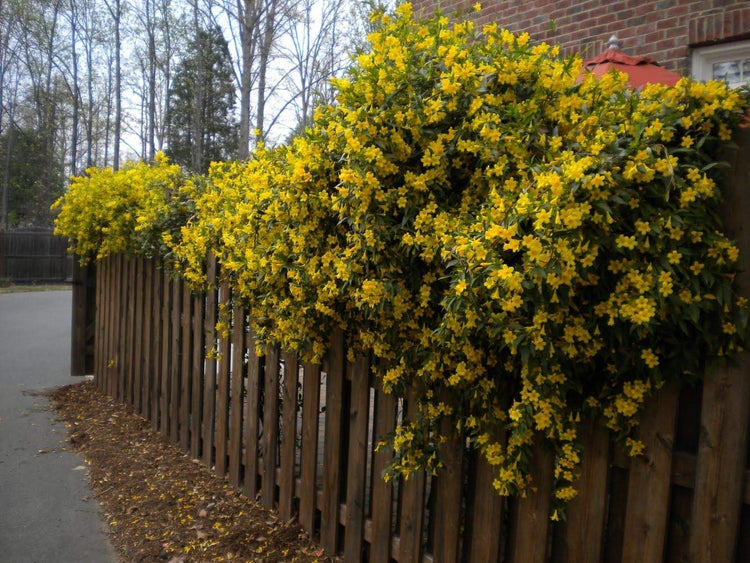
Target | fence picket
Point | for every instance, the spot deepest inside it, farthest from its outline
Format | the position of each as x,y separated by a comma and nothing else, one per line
129,313
175,379
329,524
720,471
186,379
357,463
382,491
222,401
166,325
528,534
123,361
254,369
447,519
309,458
288,435
726,399
236,392
198,353
270,439
412,501
649,482
138,335
485,519
156,345
582,535
209,379
148,299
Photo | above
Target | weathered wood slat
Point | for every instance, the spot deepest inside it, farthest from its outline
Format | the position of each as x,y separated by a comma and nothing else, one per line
288,435
158,289
412,501
222,401
236,392
382,492
209,379
332,445
270,439
166,341
198,353
175,379
186,378
582,535
447,523
146,346
649,481
717,501
357,463
528,534
252,416
100,341
309,458
485,518
726,397
123,363
140,265
130,335
114,326
112,336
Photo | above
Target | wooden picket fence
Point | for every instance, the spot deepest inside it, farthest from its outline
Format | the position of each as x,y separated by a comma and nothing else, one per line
300,438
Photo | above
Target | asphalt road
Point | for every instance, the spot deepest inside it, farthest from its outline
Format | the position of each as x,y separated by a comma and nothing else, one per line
47,511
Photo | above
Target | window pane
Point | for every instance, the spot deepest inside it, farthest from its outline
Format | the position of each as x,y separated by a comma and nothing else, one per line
727,70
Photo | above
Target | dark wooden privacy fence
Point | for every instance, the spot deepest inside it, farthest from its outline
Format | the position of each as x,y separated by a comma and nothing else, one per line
34,256
300,439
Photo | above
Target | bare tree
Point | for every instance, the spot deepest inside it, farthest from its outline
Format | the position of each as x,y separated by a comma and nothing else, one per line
115,11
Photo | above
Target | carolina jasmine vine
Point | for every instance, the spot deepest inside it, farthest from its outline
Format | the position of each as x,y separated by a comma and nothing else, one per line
528,249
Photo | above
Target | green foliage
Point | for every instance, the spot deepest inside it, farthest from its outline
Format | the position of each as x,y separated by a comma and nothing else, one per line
203,83
34,177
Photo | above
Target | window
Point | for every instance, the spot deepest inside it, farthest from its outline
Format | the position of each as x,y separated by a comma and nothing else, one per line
729,62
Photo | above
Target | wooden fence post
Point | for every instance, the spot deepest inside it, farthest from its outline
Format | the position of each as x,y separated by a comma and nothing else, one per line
717,501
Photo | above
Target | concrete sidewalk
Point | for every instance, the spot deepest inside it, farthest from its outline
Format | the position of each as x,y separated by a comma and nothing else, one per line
47,511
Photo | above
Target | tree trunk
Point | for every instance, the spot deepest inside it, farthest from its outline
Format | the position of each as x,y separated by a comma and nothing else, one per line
247,11
265,55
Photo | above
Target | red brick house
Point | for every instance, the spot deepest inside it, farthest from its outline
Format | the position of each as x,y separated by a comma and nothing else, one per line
703,38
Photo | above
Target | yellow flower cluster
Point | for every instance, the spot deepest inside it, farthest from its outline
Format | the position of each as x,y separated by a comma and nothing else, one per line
133,210
528,249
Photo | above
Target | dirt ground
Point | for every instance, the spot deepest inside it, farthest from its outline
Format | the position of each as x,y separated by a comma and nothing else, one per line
159,504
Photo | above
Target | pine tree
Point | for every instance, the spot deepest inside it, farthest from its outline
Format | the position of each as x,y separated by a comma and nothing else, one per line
203,127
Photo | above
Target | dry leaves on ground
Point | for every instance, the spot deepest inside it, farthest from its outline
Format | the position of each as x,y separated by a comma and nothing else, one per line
159,504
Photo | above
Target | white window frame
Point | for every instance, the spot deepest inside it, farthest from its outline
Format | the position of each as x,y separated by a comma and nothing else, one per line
704,58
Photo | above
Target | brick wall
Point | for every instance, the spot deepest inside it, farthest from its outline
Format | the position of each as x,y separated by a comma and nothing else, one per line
662,29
